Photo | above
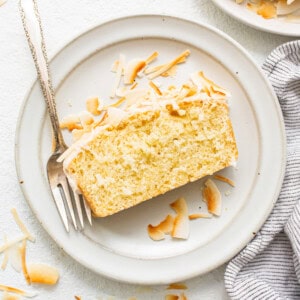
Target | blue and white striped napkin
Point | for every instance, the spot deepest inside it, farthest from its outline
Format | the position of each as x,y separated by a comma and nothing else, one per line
269,266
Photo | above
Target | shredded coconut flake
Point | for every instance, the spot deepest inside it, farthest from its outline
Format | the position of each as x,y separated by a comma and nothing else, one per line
23,259
5,258
132,69
169,65
151,58
200,216
119,73
155,234
21,225
212,196
224,179
181,228
92,105
11,243
10,289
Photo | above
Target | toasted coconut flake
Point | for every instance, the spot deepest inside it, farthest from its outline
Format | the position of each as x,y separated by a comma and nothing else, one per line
150,70
116,104
131,70
155,234
171,87
135,96
7,296
77,297
155,88
169,65
86,119
177,286
200,216
10,289
224,179
166,225
183,297
134,86
114,116
171,297
151,58
171,72
43,274
23,259
207,85
15,258
119,73
101,120
121,91
181,227
92,105
21,225
77,134
267,10
70,122
114,66
287,8
5,258
11,243
2,2
212,196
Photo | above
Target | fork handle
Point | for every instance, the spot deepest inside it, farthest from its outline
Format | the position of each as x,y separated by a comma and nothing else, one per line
34,34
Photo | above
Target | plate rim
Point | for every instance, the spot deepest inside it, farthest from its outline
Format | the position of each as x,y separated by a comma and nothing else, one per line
276,190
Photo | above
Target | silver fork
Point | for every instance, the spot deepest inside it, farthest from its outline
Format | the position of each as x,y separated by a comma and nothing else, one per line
62,193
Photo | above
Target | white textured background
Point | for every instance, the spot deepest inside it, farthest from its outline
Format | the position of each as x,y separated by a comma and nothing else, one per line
62,21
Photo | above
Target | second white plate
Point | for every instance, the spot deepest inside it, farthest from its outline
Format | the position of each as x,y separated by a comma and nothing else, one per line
241,13
118,246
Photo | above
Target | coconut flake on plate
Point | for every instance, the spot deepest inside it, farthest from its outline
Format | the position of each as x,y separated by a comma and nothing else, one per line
224,179
155,88
92,106
181,228
287,8
169,65
158,232
132,68
151,58
200,216
86,119
155,234
70,122
212,197
119,73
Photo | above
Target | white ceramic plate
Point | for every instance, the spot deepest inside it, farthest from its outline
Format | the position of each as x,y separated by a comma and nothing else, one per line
118,246
241,13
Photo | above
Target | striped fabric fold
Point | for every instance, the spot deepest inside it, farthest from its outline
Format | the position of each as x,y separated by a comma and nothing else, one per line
269,266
